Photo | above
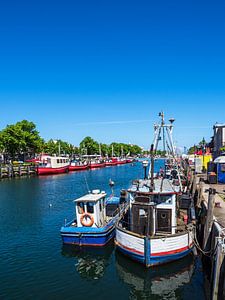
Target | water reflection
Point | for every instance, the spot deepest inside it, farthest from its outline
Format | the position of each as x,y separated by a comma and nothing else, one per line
161,282
89,262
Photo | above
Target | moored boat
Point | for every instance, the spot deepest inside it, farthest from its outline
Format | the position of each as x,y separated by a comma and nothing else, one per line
78,166
94,224
93,164
158,227
53,165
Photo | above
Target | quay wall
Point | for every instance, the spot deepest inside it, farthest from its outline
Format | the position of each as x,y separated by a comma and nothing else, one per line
9,171
210,211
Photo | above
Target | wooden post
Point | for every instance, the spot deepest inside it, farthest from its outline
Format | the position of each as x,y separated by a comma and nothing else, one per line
220,253
8,171
194,186
200,191
209,217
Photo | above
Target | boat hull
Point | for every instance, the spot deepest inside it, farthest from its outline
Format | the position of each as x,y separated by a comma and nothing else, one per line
153,251
94,166
93,238
78,168
121,162
108,164
47,171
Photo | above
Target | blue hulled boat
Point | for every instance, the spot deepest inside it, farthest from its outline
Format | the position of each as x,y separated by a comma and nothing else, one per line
95,220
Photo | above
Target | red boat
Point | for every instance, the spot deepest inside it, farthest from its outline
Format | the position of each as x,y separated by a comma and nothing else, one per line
53,165
78,166
96,164
121,162
111,162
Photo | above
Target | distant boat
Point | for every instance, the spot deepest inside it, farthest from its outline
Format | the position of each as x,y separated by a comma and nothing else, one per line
121,161
78,166
111,162
96,163
94,224
52,165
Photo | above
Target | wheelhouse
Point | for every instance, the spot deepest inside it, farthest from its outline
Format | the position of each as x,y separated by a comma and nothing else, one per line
90,209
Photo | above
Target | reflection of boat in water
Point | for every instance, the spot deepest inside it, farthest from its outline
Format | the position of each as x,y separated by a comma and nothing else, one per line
90,262
163,281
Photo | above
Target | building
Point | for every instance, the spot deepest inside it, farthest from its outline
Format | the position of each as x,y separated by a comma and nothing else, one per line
218,139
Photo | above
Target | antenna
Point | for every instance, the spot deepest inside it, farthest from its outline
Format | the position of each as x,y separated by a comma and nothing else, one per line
86,184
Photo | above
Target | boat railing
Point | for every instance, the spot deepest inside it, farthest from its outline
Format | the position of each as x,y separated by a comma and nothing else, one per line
119,210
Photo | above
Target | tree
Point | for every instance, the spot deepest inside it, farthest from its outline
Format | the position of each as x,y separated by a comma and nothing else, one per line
21,137
89,146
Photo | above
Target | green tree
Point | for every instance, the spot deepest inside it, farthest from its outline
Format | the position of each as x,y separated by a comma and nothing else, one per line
89,146
21,138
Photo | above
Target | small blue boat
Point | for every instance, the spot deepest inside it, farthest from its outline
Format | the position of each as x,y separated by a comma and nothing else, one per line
95,220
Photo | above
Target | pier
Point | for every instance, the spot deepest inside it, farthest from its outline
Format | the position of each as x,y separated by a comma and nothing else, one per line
10,171
210,209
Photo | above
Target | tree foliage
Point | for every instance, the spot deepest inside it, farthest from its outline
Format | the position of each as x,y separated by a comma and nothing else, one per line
21,137
59,147
90,146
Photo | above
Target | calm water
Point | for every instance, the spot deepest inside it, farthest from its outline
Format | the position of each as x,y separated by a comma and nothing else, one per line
35,265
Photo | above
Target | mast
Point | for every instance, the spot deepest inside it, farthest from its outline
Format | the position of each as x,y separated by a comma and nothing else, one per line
166,130
100,151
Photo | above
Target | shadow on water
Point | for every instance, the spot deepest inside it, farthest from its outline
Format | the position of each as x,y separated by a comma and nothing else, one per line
90,262
160,282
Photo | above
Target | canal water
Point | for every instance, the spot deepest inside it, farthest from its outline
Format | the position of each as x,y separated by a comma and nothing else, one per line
35,265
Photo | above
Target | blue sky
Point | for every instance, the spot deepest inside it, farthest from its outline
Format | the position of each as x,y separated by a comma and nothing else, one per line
106,68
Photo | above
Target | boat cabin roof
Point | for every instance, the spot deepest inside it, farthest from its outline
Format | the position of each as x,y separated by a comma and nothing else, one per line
91,197
162,186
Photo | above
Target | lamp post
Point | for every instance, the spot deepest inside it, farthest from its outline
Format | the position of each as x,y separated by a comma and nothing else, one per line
145,165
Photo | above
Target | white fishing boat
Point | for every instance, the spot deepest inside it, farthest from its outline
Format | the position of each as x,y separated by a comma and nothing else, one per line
158,226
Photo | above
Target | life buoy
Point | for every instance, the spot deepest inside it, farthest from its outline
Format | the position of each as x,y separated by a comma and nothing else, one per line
87,220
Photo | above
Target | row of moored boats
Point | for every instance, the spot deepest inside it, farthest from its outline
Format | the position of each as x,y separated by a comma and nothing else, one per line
47,164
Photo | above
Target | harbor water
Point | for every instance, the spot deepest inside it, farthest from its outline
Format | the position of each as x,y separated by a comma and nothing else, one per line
34,264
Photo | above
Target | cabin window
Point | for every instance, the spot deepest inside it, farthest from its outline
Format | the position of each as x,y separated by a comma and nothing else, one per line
80,206
90,207
142,212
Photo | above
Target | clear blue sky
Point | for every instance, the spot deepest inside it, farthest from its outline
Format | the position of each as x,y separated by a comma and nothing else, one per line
68,65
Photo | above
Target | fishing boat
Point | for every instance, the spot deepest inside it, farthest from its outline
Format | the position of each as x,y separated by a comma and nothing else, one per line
78,165
121,161
158,226
111,162
96,215
53,165
96,163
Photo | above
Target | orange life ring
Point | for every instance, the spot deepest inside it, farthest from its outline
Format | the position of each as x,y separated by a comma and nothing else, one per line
84,220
